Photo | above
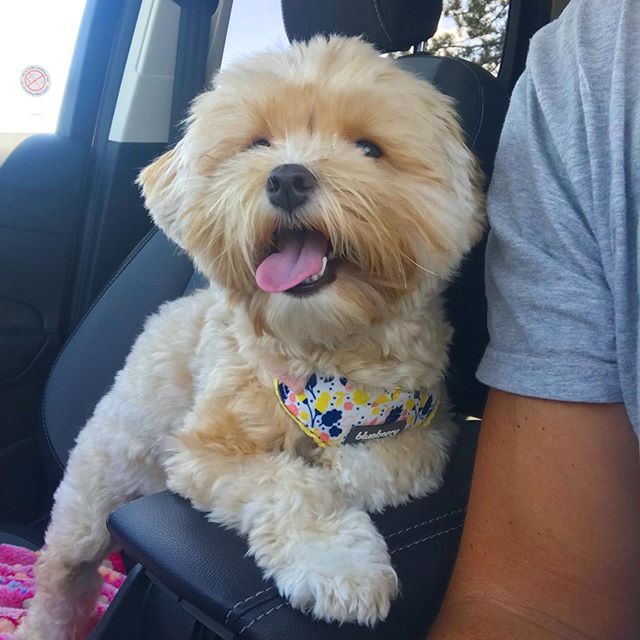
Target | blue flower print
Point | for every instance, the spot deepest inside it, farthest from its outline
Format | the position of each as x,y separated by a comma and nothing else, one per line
334,432
331,417
394,414
424,412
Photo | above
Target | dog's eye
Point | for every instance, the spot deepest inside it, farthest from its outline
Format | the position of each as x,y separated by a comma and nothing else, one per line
369,149
260,142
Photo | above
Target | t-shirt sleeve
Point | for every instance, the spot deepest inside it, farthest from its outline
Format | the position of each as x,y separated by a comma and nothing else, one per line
550,309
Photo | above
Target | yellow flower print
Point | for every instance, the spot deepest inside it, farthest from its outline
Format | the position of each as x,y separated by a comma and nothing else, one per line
360,396
383,398
322,401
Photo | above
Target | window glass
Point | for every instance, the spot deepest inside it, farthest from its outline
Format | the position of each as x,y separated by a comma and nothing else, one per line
474,30
37,38
254,25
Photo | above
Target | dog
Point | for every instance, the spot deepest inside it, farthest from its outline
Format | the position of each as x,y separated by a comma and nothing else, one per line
329,198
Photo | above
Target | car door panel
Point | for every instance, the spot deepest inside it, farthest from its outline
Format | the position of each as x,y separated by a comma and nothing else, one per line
44,183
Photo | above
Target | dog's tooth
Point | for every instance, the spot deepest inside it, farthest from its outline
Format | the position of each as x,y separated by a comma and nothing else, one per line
314,278
324,266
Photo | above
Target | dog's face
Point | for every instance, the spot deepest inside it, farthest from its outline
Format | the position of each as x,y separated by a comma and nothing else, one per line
322,185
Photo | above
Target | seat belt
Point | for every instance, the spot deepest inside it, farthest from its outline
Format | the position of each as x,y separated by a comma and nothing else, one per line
191,59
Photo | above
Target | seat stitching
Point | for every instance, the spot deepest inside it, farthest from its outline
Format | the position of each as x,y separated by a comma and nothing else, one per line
431,537
481,90
386,33
395,533
262,615
471,68
141,245
241,602
434,519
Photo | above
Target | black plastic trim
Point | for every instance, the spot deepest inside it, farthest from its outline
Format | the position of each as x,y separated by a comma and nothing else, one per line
190,76
81,101
525,18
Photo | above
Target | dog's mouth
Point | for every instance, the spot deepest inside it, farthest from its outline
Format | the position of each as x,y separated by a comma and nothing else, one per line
300,262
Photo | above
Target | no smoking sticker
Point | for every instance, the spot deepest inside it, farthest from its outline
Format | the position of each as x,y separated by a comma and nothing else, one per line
35,80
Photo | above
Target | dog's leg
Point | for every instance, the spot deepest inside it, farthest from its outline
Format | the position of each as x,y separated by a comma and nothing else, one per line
76,542
104,471
325,555
117,457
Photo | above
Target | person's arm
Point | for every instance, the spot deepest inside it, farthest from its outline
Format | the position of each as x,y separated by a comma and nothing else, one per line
551,545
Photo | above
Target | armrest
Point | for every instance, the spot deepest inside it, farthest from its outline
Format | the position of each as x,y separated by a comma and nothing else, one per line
206,565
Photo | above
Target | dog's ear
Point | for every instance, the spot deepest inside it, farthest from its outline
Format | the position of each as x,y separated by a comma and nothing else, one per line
160,189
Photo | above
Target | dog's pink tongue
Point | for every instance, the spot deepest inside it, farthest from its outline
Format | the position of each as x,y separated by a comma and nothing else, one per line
299,256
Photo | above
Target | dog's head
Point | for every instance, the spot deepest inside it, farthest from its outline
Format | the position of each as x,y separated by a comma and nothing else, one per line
321,185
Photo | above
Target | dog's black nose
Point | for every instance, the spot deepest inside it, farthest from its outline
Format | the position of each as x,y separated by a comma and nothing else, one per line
289,186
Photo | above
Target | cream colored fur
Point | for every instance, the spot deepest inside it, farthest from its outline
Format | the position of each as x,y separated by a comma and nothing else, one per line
194,407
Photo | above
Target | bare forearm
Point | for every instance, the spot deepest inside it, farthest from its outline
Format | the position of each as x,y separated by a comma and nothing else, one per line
551,546
485,619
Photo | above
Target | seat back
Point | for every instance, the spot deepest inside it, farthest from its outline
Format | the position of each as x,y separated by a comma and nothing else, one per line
155,272
481,102
158,271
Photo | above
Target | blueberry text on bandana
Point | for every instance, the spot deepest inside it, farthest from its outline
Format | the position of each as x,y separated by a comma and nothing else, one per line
333,411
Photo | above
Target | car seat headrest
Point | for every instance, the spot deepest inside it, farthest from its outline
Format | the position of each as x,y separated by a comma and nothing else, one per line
389,25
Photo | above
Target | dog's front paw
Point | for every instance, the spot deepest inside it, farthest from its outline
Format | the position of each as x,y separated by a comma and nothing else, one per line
36,626
339,590
32,629
336,583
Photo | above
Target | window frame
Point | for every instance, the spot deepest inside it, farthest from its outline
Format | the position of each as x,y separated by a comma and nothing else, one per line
525,18
93,67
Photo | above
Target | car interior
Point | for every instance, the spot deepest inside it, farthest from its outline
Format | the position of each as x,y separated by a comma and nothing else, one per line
81,268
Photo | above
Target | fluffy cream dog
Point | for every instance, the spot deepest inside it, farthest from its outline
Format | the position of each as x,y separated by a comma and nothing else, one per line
328,196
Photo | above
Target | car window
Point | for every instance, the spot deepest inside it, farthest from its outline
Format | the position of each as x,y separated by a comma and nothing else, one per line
37,38
473,30
254,25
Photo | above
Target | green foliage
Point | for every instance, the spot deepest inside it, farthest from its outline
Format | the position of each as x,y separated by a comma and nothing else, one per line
479,33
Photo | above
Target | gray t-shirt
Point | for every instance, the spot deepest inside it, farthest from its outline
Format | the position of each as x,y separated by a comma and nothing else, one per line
562,260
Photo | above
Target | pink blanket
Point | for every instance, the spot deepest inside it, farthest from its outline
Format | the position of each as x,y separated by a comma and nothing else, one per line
17,586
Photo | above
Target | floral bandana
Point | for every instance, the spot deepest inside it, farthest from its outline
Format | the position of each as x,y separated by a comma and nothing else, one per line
333,411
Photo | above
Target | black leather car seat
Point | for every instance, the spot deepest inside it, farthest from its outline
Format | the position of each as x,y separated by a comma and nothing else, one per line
202,564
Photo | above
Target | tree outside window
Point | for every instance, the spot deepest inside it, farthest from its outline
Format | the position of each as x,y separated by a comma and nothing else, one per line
473,30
